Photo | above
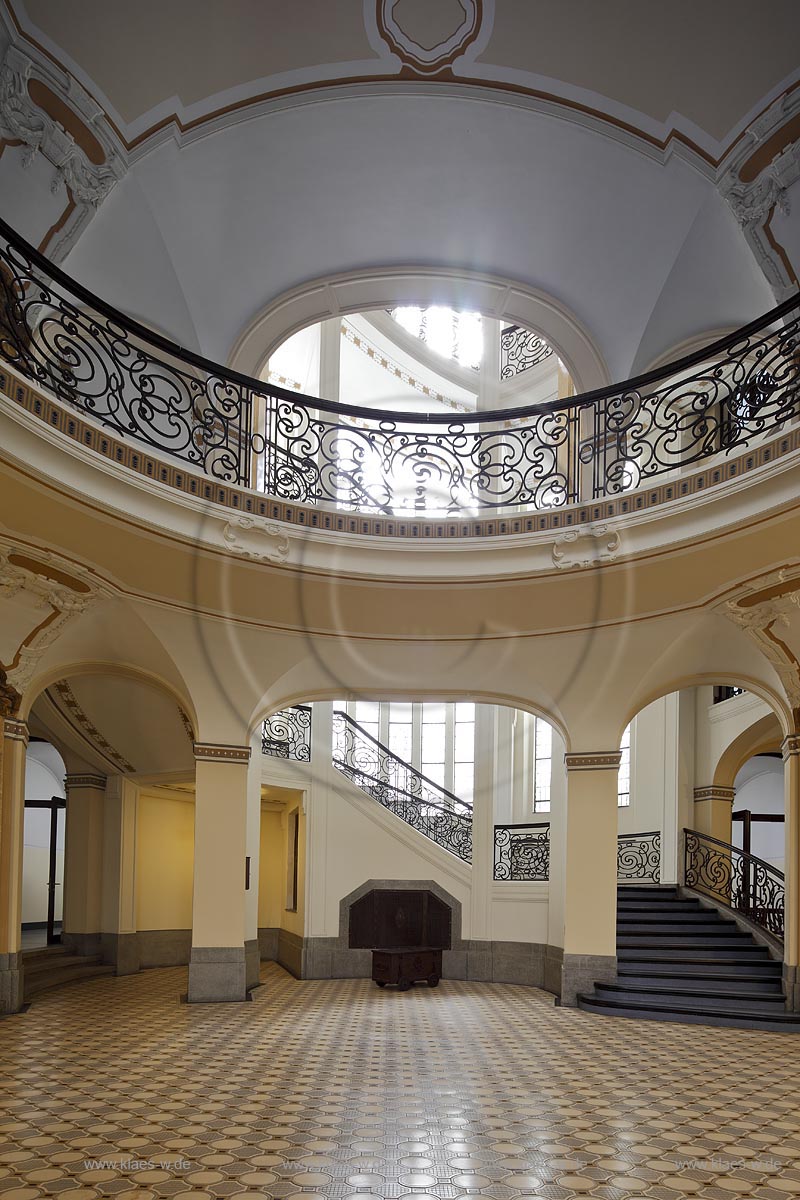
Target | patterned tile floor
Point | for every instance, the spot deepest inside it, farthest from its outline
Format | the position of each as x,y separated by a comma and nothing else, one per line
335,1088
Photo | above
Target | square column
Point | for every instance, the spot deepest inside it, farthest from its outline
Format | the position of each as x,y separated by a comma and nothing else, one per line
118,899
590,878
83,862
791,932
252,953
217,966
12,815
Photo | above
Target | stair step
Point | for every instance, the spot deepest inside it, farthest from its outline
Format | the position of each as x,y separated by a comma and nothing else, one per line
44,953
700,917
713,981
655,953
659,906
694,997
43,966
65,974
646,941
650,1011
680,966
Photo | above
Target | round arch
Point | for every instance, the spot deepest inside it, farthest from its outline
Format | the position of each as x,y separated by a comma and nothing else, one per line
762,736
99,667
492,295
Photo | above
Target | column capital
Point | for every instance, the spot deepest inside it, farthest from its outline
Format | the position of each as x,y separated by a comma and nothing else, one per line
215,752
715,792
594,760
790,746
15,730
84,780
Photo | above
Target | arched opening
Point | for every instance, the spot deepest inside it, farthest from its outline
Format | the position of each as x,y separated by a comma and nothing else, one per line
119,744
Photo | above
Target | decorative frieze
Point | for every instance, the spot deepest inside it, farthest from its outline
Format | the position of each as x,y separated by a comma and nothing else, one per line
594,760
213,752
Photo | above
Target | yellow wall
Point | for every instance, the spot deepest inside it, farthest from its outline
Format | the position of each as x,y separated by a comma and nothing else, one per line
273,872
164,862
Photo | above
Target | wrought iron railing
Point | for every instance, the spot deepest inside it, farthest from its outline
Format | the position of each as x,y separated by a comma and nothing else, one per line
741,881
639,857
312,451
521,349
287,734
397,786
522,852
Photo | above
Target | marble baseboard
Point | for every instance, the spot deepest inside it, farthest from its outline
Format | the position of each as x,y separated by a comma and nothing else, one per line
488,962
580,972
164,947
291,953
85,944
121,949
10,983
553,963
252,963
791,986
217,974
268,943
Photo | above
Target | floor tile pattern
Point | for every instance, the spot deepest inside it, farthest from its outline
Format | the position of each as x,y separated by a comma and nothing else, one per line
336,1088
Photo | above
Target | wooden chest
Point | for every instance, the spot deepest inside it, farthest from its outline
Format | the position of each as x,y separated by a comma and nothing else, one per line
406,965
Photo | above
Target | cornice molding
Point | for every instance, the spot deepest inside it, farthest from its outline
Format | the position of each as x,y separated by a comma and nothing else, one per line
790,747
217,752
594,760
74,781
16,731
728,794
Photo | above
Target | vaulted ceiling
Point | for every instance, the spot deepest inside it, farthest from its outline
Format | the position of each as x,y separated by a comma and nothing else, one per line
591,152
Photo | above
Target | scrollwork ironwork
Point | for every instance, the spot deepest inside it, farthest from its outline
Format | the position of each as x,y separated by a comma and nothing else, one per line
639,857
399,788
739,880
522,852
521,349
287,734
298,448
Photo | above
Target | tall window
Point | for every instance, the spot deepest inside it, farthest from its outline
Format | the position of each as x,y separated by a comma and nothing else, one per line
436,739
624,778
542,764
433,759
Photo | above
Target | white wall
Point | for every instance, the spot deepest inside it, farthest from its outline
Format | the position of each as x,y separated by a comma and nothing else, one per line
759,788
44,778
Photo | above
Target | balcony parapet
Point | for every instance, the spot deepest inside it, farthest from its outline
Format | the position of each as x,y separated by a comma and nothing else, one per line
210,432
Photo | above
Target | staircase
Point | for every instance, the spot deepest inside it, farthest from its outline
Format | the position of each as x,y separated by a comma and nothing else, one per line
679,961
55,965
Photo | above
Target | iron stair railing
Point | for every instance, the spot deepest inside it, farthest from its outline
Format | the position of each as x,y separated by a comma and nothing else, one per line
639,857
401,789
740,881
522,852
287,734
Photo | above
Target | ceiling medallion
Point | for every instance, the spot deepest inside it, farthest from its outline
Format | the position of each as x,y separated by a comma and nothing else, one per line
428,38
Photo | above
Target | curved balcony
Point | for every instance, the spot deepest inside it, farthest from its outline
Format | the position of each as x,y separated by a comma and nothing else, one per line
145,390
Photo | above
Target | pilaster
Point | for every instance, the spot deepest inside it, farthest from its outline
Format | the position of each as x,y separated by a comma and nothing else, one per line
791,944
83,862
118,897
12,812
713,806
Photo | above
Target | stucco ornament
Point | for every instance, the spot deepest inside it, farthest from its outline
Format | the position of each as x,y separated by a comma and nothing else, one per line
253,537
55,606
773,623
429,37
586,546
